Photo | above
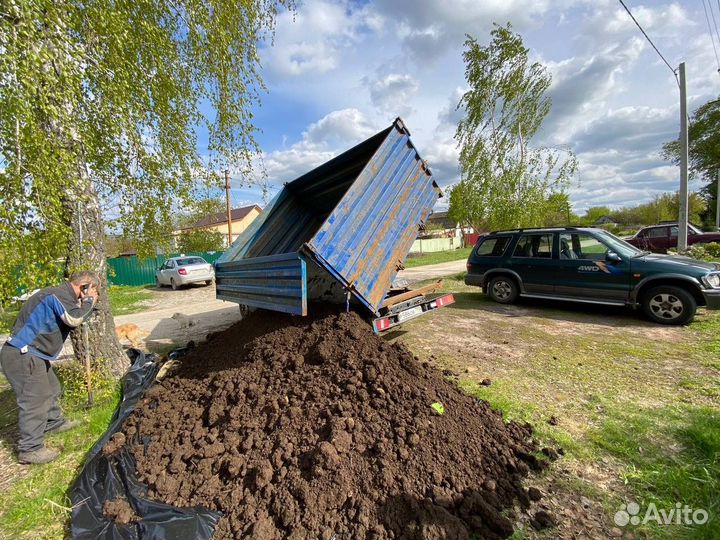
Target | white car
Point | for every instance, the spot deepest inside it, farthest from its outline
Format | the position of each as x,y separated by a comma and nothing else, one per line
179,271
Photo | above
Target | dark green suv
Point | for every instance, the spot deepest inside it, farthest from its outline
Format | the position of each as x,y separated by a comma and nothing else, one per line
594,266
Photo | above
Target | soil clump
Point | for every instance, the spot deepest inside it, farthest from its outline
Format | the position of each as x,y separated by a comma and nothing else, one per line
119,510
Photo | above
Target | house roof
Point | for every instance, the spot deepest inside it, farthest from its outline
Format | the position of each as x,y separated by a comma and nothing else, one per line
603,220
236,214
443,219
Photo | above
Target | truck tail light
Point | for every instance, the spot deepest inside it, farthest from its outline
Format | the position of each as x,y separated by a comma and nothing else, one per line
382,324
182,271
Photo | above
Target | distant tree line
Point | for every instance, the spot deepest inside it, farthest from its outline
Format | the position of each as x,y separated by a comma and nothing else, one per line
663,207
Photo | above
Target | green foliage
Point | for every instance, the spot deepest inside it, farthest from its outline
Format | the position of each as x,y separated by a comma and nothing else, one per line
703,139
704,252
594,213
504,181
201,240
101,105
114,246
200,208
438,407
704,153
663,207
7,319
559,211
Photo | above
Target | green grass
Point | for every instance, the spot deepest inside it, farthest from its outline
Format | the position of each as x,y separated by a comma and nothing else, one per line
671,455
639,401
438,257
667,455
125,299
37,506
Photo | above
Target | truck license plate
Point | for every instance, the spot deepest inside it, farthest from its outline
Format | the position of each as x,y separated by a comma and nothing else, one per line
409,313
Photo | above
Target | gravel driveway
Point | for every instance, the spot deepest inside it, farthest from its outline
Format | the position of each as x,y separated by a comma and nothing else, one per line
207,314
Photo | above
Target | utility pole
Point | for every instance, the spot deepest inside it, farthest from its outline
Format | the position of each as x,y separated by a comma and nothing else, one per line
683,217
227,202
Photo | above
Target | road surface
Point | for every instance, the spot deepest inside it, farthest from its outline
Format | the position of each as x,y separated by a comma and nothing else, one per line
430,271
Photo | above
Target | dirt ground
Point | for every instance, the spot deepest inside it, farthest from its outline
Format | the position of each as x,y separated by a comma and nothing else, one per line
200,313
563,367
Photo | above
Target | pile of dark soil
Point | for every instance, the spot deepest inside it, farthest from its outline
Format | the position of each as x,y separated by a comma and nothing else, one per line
319,429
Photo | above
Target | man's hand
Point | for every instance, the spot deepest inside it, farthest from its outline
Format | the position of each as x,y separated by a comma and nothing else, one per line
91,294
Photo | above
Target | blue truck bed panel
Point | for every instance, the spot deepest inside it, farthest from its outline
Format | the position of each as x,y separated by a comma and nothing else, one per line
355,217
277,282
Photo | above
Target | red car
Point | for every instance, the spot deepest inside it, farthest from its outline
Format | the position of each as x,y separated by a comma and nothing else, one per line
660,238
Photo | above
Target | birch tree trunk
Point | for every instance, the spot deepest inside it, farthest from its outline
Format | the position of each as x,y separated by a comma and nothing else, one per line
86,251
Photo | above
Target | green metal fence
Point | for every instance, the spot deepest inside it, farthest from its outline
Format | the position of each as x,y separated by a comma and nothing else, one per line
136,271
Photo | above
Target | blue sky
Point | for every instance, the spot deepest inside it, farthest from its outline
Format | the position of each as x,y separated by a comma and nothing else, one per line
340,71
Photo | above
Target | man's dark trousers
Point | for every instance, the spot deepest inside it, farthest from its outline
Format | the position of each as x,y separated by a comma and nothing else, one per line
37,390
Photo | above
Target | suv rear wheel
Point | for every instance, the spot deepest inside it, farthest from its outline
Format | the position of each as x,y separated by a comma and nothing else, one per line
503,289
667,304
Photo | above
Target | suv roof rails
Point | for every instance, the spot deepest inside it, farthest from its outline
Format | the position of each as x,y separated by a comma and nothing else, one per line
523,229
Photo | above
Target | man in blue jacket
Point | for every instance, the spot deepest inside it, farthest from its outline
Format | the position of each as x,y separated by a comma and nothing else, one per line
36,339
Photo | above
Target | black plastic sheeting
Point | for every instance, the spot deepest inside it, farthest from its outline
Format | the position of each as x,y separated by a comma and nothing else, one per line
108,478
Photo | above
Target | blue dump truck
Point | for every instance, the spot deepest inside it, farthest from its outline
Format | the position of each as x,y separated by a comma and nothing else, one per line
339,234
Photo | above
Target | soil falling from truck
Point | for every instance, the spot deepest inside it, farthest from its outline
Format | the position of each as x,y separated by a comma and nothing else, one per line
300,428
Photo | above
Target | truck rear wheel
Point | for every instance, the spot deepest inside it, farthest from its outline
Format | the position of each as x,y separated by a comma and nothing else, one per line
668,304
503,289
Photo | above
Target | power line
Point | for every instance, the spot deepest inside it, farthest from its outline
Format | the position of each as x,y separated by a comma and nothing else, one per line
650,41
712,14
712,38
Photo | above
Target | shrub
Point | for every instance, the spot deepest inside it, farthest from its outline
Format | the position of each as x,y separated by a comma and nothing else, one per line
704,252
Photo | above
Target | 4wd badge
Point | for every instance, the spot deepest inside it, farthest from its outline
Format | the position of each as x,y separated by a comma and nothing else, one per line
600,266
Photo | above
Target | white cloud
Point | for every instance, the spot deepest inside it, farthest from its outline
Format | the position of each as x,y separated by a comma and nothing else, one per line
450,115
353,68
582,85
323,140
313,39
661,22
392,94
338,129
603,182
442,156
639,129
